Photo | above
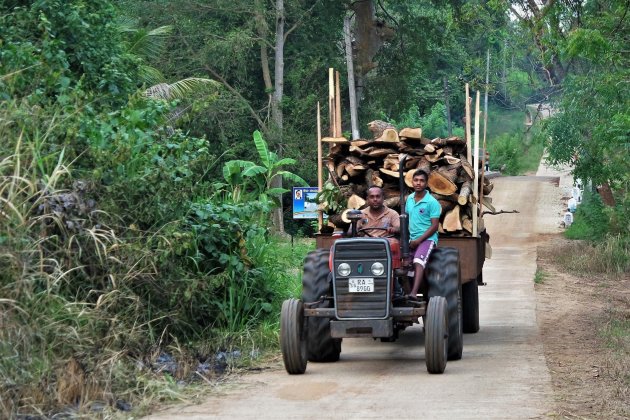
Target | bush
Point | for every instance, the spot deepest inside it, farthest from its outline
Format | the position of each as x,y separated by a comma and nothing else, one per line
590,220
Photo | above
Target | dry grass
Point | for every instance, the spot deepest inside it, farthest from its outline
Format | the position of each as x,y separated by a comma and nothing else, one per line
584,316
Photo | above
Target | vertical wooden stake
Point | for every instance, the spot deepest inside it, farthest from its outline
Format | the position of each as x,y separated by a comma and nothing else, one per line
337,106
485,125
320,214
331,101
468,135
475,214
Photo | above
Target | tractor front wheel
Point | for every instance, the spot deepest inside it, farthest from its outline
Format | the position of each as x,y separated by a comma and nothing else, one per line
320,346
444,279
292,340
436,335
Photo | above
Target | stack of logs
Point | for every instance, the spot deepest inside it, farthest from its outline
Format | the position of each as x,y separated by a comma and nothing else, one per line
356,165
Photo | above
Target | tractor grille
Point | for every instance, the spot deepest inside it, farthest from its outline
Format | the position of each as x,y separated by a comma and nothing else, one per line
360,254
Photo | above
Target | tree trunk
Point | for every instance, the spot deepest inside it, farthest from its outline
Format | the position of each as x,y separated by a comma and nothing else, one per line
276,108
354,120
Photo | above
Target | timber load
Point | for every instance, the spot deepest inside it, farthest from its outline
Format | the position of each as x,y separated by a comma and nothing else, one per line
356,165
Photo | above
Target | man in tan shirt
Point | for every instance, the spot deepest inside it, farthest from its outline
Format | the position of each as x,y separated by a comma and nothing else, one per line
378,215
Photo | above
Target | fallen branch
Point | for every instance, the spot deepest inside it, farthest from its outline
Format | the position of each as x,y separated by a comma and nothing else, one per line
499,212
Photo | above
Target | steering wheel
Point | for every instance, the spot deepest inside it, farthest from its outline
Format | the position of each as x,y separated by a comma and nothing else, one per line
368,229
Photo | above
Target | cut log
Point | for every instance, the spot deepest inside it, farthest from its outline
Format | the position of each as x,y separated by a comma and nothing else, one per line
391,162
355,169
467,223
340,168
425,165
392,202
435,156
372,178
464,192
411,133
358,150
429,148
389,136
487,201
394,174
451,160
439,184
335,140
449,173
467,166
452,197
355,202
487,188
377,127
446,205
451,222
359,142
378,152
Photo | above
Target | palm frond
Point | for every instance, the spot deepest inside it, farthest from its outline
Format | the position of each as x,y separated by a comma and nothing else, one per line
180,89
149,44
150,75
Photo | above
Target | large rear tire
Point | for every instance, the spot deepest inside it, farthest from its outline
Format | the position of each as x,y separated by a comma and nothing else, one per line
320,346
443,277
470,306
436,335
292,340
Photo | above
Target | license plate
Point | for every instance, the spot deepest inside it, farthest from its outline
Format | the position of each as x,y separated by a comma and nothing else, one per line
360,285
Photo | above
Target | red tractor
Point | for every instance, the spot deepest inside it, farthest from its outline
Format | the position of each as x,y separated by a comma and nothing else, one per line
349,290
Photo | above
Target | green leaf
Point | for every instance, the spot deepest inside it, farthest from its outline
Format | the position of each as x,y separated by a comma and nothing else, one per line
276,191
285,161
261,146
292,177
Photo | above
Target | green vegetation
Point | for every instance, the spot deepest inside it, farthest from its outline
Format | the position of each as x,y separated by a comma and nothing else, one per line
135,206
616,332
539,276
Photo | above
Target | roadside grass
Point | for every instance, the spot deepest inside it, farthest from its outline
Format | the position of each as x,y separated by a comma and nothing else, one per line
539,276
611,256
605,264
616,331
76,338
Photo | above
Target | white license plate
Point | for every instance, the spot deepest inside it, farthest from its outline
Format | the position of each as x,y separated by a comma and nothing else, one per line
360,285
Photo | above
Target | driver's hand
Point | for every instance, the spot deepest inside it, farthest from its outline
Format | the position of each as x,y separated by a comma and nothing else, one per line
392,230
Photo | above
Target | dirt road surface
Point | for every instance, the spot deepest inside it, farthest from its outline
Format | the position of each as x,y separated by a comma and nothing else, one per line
502,374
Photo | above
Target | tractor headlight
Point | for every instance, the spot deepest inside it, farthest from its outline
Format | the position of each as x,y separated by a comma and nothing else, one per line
378,269
344,269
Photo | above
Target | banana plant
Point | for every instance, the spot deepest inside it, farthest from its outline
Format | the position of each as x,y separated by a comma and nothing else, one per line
243,175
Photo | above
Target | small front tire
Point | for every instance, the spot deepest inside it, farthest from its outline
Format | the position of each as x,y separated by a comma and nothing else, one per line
436,335
292,340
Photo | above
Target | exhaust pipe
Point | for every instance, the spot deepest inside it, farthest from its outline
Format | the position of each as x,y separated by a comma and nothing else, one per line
404,218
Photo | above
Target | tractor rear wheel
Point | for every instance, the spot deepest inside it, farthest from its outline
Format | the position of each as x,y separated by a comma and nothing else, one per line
444,279
292,340
436,335
320,346
470,306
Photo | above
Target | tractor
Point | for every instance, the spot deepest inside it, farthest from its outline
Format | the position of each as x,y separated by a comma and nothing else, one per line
350,289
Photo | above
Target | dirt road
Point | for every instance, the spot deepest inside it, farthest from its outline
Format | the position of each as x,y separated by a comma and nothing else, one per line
502,374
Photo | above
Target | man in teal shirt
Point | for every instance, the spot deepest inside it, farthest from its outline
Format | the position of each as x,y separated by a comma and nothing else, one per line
424,217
